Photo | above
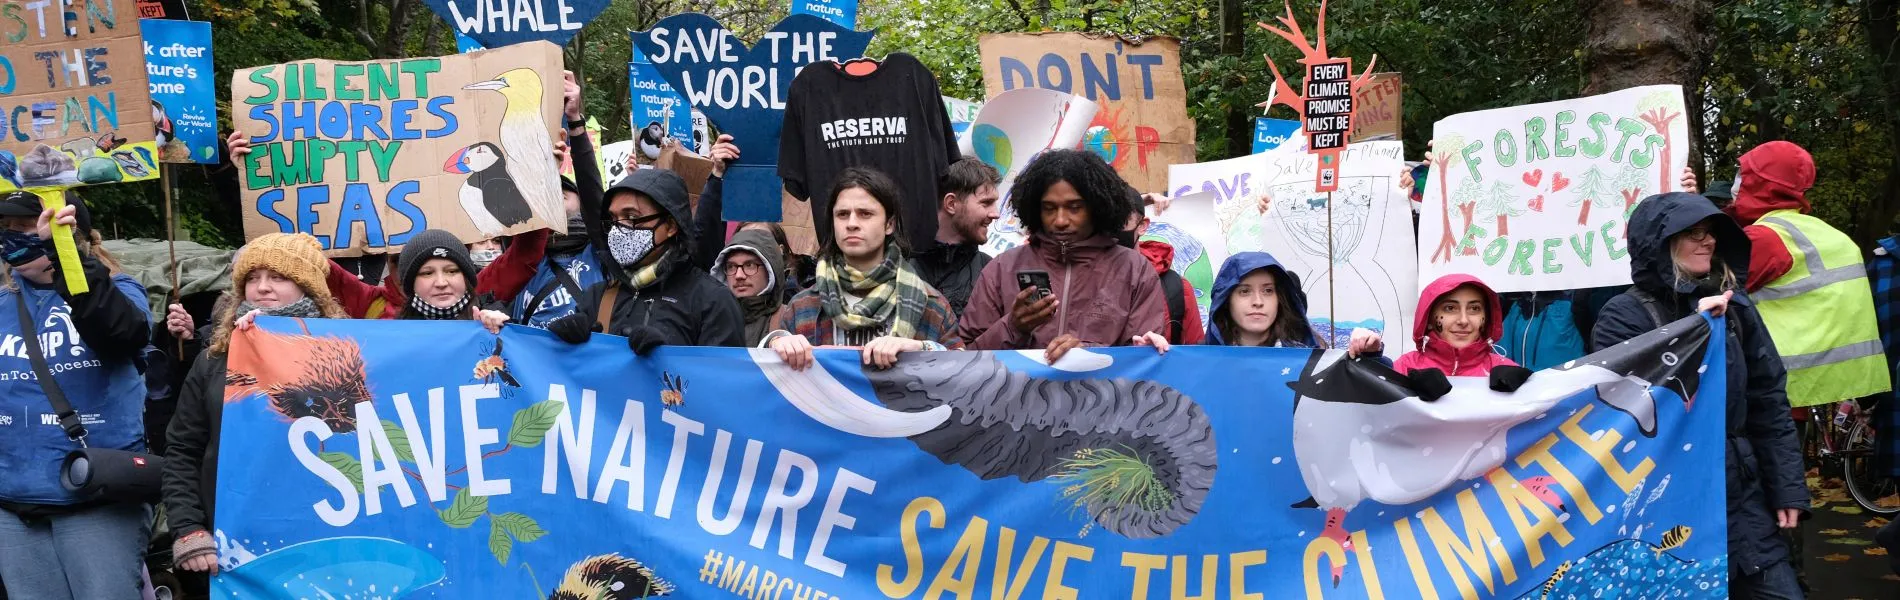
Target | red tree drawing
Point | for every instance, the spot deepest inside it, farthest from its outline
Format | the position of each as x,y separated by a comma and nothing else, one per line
1659,110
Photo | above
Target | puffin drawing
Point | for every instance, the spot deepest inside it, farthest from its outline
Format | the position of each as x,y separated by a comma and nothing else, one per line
491,199
524,142
651,139
1361,433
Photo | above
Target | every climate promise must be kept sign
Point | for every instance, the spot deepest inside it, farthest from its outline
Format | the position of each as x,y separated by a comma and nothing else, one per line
365,155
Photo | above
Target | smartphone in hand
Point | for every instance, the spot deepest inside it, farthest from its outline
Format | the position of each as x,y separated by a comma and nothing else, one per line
1038,279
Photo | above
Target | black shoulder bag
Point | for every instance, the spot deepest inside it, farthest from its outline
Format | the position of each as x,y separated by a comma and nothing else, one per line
93,473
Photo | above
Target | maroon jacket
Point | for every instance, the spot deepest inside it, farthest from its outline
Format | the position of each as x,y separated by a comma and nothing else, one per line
1108,294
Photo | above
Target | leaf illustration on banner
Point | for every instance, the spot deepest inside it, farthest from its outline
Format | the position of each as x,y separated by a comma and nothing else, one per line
532,423
464,510
398,440
521,527
348,465
498,541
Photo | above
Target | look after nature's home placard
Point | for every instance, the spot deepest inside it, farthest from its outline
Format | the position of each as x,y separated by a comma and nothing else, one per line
364,155
1534,198
74,109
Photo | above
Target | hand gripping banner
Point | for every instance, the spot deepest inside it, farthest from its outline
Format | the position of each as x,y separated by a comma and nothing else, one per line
434,460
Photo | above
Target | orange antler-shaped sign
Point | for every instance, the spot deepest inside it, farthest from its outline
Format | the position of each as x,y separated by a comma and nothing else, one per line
1326,107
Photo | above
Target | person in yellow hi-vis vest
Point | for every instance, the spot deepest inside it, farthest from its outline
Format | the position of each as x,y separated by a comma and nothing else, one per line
1808,280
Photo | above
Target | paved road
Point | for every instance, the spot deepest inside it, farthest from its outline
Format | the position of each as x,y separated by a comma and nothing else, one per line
1842,561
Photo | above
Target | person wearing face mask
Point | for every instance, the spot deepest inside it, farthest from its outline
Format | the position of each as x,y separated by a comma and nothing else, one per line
439,281
484,253
1100,294
1801,267
1687,257
276,274
54,543
653,295
750,268
867,296
569,267
1184,312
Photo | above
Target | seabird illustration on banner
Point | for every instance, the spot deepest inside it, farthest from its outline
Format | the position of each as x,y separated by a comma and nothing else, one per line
492,200
524,141
742,90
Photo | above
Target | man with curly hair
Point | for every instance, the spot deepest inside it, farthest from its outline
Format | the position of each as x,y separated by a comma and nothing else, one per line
1100,293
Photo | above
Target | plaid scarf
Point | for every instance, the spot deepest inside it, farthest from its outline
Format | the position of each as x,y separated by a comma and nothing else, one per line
646,276
892,294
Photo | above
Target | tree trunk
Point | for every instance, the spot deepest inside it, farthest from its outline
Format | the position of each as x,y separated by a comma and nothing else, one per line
1444,203
1504,225
1233,43
1630,43
1882,25
1583,216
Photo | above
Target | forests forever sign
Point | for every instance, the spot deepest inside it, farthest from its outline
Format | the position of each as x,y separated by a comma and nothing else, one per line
434,460
1143,126
365,155
1533,198
74,109
743,90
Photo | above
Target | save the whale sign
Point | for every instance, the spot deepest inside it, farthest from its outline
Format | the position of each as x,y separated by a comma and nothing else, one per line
497,23
435,460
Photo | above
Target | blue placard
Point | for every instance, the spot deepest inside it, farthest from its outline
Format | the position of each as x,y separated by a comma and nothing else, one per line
495,24
742,90
184,97
465,44
658,111
431,459
1270,133
842,12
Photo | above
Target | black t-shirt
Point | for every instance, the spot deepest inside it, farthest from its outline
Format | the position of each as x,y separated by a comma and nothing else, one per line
892,119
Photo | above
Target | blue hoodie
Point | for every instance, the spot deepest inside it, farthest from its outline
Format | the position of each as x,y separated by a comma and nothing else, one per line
1237,268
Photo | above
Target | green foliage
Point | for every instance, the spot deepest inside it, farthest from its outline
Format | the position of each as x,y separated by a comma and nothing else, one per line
498,542
463,510
398,440
347,464
532,423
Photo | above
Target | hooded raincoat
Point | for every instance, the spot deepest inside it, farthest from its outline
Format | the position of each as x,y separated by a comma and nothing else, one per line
758,309
685,307
1238,267
1475,360
1764,465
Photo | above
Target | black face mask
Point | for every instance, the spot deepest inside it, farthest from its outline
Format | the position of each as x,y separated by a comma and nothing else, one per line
1126,239
573,240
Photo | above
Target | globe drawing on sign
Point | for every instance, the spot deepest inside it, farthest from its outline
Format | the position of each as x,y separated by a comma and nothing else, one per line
992,146
1302,215
1190,260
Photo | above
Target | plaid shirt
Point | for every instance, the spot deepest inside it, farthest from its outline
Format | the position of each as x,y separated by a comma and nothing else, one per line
804,315
1882,271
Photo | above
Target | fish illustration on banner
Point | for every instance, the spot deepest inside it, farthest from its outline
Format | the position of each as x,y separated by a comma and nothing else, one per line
1543,192
497,23
361,166
1366,278
742,90
82,119
184,105
442,461
659,112
1142,126
1009,132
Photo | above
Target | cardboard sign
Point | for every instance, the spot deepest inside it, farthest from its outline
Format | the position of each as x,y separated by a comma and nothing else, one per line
73,100
1010,132
659,112
1325,101
497,23
842,12
742,90
1542,193
1143,126
1268,134
184,104
364,155
1377,110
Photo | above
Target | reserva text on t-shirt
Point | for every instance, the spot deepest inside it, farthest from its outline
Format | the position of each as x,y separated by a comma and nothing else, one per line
864,131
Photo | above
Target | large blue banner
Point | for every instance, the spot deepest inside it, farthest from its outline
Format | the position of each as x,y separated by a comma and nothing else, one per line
184,102
517,466
743,90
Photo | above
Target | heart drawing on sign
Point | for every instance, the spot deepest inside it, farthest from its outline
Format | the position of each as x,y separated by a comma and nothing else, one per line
1537,204
1534,177
1558,182
497,24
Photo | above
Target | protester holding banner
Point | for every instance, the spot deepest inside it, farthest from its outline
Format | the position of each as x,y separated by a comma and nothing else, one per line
965,210
1459,318
654,297
1099,293
1685,256
1258,303
867,294
439,280
750,268
565,267
1802,267
82,347
276,274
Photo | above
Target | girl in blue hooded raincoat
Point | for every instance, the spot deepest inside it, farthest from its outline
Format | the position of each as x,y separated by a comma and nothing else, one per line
1257,302
54,544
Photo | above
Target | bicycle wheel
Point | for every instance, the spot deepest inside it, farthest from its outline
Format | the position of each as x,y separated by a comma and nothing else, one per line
1874,491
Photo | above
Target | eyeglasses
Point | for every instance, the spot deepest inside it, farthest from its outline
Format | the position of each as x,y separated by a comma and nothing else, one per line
1697,234
750,269
637,222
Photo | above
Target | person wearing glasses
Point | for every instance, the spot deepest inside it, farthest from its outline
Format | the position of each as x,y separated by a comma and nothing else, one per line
751,266
653,296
